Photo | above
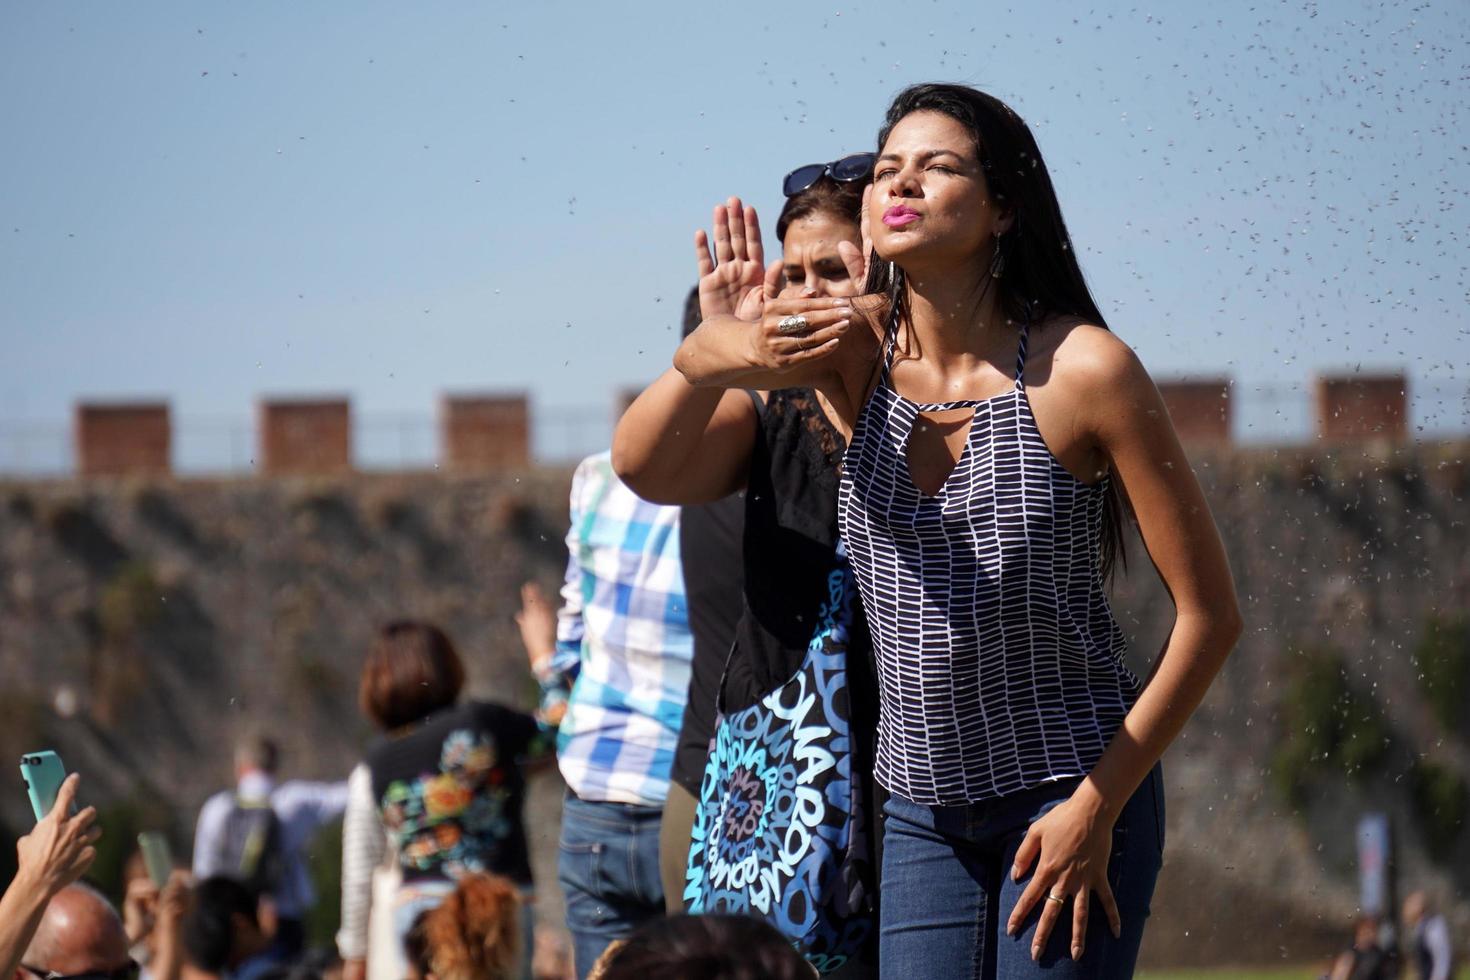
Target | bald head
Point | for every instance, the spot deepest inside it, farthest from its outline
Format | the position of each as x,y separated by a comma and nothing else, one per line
80,933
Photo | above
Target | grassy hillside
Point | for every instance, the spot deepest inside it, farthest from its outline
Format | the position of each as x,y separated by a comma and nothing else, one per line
144,625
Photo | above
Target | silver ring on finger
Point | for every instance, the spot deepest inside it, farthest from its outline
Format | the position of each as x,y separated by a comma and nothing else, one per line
796,323
1059,899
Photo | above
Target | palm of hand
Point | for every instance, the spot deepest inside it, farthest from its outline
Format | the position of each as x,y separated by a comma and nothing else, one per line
733,288
733,277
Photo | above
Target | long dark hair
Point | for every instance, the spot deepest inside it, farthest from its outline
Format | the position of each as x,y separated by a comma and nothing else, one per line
1041,275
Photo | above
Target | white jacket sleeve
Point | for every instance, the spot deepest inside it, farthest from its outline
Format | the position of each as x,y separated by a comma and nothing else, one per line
1441,950
364,843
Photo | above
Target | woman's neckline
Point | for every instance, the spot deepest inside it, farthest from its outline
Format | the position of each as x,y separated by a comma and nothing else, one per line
955,405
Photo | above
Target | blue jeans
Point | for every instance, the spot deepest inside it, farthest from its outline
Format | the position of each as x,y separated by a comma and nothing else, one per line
608,869
948,893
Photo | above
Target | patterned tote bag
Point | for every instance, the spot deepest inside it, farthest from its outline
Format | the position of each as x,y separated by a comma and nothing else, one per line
781,829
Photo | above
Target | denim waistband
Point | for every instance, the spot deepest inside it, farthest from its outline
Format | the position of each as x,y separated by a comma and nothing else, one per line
613,809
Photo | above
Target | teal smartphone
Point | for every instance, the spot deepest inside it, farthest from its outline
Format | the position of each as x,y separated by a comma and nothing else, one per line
44,774
156,856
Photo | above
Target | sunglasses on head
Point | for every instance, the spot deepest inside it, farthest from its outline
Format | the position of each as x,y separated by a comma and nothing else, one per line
127,972
858,166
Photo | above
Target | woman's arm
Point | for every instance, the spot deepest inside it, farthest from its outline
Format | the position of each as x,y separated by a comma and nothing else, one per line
1118,404
1184,545
537,623
836,355
53,855
677,444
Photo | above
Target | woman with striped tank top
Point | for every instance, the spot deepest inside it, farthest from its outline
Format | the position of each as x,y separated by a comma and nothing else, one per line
993,422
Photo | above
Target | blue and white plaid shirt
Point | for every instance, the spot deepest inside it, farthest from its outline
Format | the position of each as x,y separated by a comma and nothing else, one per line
623,634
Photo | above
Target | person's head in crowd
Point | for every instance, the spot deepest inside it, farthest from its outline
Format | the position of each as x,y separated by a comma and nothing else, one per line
1416,907
706,947
80,932
823,208
412,671
1365,932
475,934
222,928
256,754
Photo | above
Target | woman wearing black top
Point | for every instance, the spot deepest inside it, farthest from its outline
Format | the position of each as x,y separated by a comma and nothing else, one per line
448,776
781,449
710,544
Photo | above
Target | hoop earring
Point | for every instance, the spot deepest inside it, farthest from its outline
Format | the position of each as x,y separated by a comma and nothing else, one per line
997,261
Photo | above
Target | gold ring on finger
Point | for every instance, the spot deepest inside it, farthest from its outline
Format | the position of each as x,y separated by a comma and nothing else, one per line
1060,900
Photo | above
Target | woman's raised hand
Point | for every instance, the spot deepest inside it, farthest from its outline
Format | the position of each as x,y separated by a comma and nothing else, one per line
793,330
537,623
61,846
827,320
733,279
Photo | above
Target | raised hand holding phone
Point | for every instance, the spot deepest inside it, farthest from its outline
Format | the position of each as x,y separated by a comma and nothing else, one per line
54,854
43,774
60,848
157,857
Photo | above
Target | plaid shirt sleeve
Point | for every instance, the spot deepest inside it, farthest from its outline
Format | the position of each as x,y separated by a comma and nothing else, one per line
558,675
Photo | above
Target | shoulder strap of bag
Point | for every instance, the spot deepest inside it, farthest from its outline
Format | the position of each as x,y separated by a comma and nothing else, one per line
724,673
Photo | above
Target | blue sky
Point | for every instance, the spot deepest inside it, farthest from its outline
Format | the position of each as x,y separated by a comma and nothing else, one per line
210,202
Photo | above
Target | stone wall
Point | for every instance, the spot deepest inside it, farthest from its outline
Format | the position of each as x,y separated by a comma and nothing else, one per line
144,624
131,439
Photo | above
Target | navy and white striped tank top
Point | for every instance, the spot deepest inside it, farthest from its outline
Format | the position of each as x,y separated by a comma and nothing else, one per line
1000,663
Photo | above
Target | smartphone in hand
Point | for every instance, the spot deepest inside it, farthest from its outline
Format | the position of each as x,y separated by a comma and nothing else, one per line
43,774
156,856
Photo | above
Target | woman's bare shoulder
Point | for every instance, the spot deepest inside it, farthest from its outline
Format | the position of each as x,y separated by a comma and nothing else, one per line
1086,357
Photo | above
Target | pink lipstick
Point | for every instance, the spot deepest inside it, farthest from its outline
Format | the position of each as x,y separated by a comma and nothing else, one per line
900,215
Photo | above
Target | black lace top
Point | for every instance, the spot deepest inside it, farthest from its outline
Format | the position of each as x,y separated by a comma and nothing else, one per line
710,541
790,551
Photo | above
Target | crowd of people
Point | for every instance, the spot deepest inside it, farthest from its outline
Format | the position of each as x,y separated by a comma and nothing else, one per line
1382,949
54,926
833,667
